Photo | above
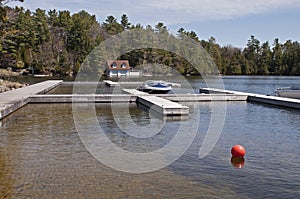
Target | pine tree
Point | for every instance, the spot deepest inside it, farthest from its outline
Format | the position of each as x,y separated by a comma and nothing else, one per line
265,58
277,58
251,53
125,22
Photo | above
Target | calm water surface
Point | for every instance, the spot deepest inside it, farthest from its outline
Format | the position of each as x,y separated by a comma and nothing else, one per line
41,155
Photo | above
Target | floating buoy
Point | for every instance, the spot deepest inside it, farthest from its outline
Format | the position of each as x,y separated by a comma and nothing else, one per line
238,151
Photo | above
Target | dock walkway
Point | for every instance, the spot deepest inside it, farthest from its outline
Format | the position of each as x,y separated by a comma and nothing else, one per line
163,106
111,83
12,100
251,97
82,98
158,104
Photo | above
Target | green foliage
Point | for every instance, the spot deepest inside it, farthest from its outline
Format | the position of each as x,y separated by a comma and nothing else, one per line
58,42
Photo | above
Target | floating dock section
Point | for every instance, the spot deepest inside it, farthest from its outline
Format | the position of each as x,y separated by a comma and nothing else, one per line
166,104
111,83
163,106
109,98
259,98
83,98
12,100
203,97
158,104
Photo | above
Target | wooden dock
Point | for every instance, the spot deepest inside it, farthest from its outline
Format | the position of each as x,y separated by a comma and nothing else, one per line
166,104
12,100
158,104
108,98
111,83
83,98
259,98
134,92
191,97
203,97
163,106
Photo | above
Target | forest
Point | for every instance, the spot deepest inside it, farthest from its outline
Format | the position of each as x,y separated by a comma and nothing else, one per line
57,42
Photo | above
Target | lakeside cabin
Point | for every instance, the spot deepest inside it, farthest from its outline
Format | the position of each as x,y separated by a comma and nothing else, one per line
117,68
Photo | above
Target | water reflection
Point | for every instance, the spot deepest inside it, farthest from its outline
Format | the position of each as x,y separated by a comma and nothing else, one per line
238,162
6,181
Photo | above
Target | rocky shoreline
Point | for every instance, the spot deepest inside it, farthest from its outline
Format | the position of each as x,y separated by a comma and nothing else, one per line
6,84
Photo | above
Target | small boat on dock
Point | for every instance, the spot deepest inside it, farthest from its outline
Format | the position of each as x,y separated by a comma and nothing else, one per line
40,75
155,87
289,92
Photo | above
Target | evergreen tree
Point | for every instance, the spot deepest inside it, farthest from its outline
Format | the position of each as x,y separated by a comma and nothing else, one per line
277,58
251,53
112,27
125,22
161,28
291,59
234,67
265,59
214,51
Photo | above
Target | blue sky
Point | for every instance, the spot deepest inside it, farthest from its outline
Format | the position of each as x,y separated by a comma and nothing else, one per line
229,21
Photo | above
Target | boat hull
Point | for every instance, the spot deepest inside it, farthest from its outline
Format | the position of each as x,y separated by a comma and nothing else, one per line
154,91
155,87
288,93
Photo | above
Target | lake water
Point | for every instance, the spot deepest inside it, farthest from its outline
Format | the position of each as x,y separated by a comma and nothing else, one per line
42,156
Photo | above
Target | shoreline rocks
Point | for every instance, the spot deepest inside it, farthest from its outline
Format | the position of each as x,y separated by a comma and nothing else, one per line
5,84
8,85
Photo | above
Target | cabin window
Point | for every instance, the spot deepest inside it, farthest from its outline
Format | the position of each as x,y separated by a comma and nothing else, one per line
114,65
123,65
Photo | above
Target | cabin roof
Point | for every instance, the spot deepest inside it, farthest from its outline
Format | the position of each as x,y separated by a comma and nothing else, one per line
118,64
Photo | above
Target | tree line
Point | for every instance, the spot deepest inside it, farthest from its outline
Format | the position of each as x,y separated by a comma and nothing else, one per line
57,42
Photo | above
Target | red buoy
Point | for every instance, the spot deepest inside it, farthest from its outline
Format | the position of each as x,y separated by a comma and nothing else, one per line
238,151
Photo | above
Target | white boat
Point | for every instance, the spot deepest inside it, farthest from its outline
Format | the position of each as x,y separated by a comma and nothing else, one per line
40,75
155,87
290,92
